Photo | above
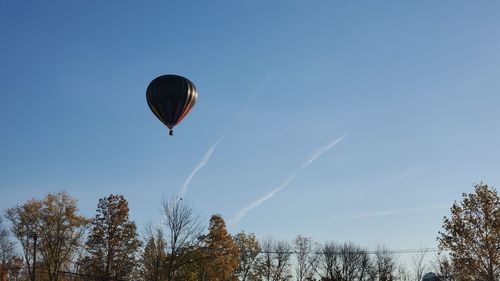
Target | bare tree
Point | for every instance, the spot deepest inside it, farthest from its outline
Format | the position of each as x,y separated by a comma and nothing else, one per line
418,265
345,261
403,274
305,257
266,260
282,270
365,265
443,267
328,261
7,249
183,231
275,260
385,265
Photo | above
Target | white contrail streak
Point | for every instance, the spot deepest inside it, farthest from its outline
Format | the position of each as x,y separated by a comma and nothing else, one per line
198,167
250,102
241,213
414,210
322,150
209,152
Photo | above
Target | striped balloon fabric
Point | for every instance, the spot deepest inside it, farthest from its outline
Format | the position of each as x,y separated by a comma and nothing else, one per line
171,97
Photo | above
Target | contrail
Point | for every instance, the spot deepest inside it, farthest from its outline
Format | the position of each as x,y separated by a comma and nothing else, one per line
323,150
198,167
241,213
211,150
414,210
250,102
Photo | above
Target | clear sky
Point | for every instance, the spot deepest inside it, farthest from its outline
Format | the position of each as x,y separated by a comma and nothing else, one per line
341,120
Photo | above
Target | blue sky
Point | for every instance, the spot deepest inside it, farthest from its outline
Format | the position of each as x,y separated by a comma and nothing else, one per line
413,85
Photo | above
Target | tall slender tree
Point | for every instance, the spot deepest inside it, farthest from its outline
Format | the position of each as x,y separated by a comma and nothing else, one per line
385,264
266,262
282,268
222,253
183,238
418,265
113,243
306,259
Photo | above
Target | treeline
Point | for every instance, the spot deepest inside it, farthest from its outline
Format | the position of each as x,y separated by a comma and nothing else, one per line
56,242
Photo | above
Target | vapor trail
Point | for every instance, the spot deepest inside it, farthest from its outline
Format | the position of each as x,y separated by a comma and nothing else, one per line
414,210
250,102
212,148
198,167
322,150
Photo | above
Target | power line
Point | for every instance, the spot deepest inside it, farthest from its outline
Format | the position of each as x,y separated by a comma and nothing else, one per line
360,251
65,273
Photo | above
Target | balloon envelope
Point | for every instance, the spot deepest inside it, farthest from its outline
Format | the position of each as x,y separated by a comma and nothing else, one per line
171,97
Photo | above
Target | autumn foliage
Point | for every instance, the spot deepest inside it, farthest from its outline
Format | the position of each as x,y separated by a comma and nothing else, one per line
472,235
221,252
57,243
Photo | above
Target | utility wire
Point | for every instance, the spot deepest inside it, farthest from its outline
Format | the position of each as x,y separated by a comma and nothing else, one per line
370,252
65,273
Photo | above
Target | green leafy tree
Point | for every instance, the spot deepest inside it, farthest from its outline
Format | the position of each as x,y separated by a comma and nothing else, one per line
472,235
113,244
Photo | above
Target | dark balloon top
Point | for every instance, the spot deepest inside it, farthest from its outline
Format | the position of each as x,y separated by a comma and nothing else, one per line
171,97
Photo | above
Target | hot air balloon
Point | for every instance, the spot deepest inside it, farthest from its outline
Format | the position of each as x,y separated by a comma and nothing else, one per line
171,97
